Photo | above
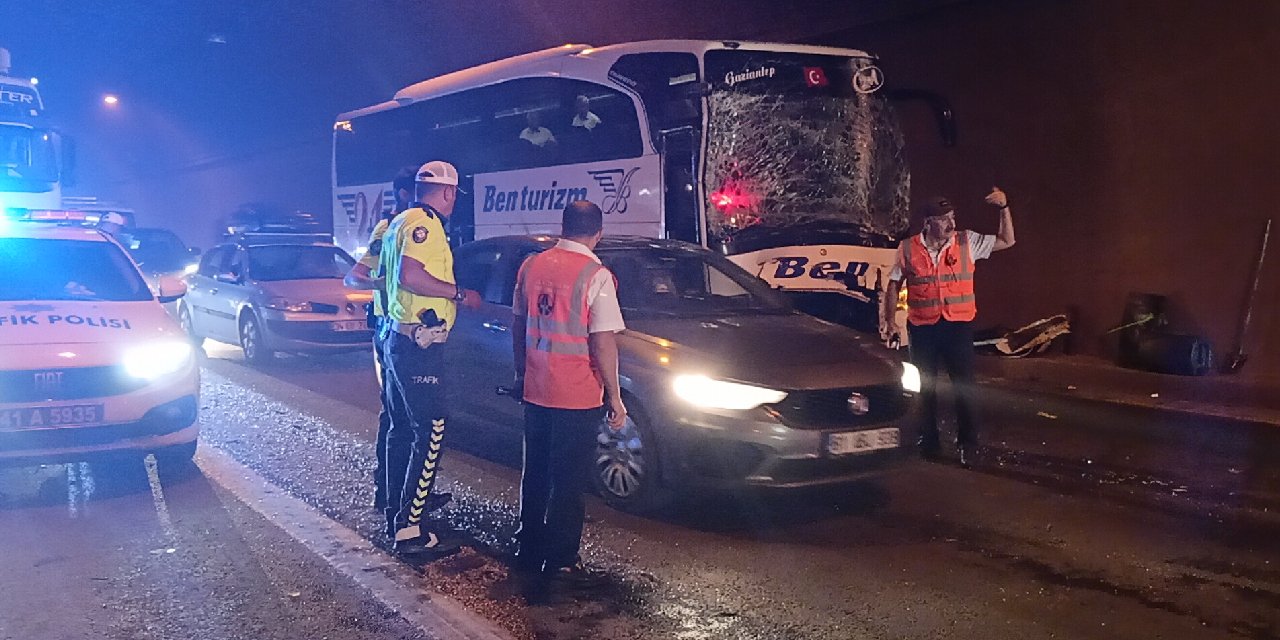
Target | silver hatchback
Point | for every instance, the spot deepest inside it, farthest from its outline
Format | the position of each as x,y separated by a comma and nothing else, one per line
268,296
726,386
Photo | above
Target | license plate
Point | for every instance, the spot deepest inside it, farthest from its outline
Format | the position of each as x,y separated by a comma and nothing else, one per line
350,325
75,415
839,444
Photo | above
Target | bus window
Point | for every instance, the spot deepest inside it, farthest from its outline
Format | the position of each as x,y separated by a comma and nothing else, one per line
488,129
533,124
668,85
372,148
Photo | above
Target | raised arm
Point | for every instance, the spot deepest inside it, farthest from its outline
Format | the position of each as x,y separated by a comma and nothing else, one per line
1004,237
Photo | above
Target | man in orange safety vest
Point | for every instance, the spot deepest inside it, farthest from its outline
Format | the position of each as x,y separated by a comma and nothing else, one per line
566,358
938,266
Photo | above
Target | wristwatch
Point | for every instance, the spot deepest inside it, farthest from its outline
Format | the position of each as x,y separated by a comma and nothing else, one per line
459,294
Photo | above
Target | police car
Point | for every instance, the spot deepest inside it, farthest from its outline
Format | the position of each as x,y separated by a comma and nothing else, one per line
89,360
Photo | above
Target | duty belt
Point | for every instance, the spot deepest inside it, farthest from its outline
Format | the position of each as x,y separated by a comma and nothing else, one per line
420,334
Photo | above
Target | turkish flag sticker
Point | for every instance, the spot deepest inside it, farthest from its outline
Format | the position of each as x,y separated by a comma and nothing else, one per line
815,77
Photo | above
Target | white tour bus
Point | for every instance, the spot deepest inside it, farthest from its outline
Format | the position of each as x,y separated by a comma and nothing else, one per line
787,158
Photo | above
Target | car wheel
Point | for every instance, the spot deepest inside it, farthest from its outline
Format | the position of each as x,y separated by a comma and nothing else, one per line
251,340
627,467
189,327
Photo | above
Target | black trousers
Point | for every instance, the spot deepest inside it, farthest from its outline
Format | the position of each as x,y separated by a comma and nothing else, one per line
415,439
384,420
558,448
949,346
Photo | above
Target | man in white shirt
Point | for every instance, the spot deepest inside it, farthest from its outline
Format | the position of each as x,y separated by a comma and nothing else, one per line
938,268
566,359
582,116
536,134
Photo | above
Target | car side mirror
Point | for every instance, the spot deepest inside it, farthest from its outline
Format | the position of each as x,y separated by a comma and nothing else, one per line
170,288
227,278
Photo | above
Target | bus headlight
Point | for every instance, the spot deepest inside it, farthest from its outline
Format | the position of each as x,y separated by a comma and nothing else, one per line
910,378
157,359
705,392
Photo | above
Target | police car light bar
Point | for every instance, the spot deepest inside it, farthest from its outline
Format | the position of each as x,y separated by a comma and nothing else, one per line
50,215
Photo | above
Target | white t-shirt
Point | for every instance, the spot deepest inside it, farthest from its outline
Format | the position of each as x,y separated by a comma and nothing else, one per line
980,247
539,137
587,122
604,312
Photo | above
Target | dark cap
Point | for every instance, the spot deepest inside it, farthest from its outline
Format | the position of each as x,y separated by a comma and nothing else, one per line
933,207
405,180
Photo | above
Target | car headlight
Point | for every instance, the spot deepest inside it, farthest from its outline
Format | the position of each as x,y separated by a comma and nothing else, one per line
157,359
705,392
190,269
284,304
910,378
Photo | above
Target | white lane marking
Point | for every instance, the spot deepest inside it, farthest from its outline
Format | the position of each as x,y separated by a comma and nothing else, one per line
388,581
157,497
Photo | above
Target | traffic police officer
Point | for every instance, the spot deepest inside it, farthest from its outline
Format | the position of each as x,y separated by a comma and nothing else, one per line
421,306
365,275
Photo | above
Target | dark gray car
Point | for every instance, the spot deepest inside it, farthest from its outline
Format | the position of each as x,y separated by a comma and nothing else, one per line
726,386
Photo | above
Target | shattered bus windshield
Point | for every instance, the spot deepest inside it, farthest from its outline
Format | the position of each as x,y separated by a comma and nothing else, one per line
793,138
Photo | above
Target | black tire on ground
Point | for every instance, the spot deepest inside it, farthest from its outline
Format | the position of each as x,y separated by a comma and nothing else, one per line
627,469
251,340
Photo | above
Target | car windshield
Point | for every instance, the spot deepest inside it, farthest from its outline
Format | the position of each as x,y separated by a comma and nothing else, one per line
156,250
298,262
48,269
681,283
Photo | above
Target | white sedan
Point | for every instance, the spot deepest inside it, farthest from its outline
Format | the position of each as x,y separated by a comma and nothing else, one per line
89,360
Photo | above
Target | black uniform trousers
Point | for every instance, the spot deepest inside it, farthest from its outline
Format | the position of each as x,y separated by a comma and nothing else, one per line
558,448
947,345
415,440
384,419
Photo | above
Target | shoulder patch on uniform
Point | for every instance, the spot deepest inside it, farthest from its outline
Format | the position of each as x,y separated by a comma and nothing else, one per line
420,235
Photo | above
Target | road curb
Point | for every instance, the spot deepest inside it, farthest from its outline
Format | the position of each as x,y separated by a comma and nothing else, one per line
1090,378
390,582
1262,419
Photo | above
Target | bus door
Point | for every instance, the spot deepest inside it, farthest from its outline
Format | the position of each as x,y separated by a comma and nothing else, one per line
681,195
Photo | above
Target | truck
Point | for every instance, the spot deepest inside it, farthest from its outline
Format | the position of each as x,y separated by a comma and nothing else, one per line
36,160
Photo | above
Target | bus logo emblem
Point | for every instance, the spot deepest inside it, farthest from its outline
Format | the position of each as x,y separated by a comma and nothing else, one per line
868,79
616,184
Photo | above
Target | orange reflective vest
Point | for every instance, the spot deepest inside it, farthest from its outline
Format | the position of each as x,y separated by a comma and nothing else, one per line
939,291
558,369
